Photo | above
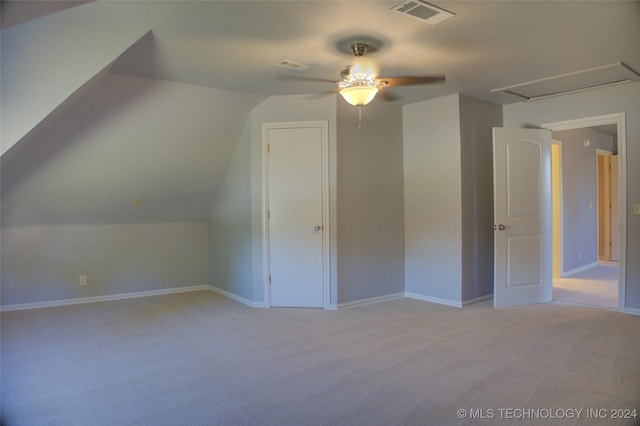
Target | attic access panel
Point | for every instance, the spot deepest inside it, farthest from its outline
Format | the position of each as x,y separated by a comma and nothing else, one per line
591,78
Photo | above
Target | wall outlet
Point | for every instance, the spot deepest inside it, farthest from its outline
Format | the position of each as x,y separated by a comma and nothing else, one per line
82,280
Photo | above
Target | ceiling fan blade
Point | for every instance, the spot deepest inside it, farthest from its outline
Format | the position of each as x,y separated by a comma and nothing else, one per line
304,78
410,81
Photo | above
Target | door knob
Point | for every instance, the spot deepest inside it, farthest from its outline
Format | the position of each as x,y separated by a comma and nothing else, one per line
317,228
501,227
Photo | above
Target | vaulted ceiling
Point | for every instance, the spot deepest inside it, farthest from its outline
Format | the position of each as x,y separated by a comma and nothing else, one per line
107,102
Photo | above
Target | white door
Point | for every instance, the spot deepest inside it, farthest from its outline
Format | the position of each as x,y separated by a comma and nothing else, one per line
295,216
523,216
615,211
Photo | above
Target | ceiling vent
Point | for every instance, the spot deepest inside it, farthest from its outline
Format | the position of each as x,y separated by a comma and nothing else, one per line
592,78
292,65
423,11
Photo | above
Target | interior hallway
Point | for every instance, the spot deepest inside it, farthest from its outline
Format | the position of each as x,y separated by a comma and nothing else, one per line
597,286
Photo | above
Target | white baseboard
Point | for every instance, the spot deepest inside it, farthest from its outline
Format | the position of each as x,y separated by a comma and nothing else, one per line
477,299
81,300
367,301
438,300
566,274
237,298
632,311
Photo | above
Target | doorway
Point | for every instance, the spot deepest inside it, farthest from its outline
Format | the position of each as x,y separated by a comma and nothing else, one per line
586,272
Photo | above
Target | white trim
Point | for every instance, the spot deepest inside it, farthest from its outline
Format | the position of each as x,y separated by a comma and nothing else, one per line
477,299
438,300
560,207
237,298
620,121
632,311
326,225
96,299
566,274
370,300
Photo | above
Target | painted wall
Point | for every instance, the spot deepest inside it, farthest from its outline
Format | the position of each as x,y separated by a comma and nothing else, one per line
579,195
73,182
42,262
617,99
230,232
370,202
433,198
448,184
44,61
477,119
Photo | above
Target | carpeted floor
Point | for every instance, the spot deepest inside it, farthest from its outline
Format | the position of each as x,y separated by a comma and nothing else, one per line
201,359
597,286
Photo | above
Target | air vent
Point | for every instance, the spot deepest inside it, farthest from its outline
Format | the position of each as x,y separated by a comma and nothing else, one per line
292,65
592,78
423,11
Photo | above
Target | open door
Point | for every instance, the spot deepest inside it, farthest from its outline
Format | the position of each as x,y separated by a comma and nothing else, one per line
523,216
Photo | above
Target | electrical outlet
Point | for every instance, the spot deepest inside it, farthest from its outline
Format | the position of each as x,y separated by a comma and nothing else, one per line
82,280
636,209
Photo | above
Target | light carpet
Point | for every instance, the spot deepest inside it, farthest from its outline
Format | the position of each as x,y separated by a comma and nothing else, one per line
597,286
201,359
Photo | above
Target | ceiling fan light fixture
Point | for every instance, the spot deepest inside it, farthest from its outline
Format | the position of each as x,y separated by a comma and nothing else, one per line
359,95
362,71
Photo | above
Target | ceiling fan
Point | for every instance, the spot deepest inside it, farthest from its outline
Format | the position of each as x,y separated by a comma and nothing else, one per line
359,83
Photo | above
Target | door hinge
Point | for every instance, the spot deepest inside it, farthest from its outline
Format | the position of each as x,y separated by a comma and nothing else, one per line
268,148
268,214
269,279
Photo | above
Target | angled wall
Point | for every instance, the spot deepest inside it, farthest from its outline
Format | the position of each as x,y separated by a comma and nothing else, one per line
45,61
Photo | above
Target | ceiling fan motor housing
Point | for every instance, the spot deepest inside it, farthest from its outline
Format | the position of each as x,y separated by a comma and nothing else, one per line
359,49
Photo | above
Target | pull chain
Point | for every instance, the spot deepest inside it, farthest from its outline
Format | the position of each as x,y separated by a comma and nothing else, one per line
359,116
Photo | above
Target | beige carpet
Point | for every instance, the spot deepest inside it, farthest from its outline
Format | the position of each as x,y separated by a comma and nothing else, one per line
597,286
201,359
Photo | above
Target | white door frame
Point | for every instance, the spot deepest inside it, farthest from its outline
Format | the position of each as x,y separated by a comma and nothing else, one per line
326,224
559,210
619,120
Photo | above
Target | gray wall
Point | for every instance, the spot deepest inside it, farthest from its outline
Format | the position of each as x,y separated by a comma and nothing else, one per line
230,235
42,263
370,202
579,195
477,118
448,183
66,60
432,198
617,99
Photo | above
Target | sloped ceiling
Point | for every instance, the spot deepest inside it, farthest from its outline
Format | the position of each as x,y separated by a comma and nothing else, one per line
110,102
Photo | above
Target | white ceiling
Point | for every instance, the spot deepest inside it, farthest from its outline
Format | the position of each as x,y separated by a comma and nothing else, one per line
233,45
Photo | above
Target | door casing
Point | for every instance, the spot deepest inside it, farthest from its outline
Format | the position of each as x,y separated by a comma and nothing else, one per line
619,120
324,126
